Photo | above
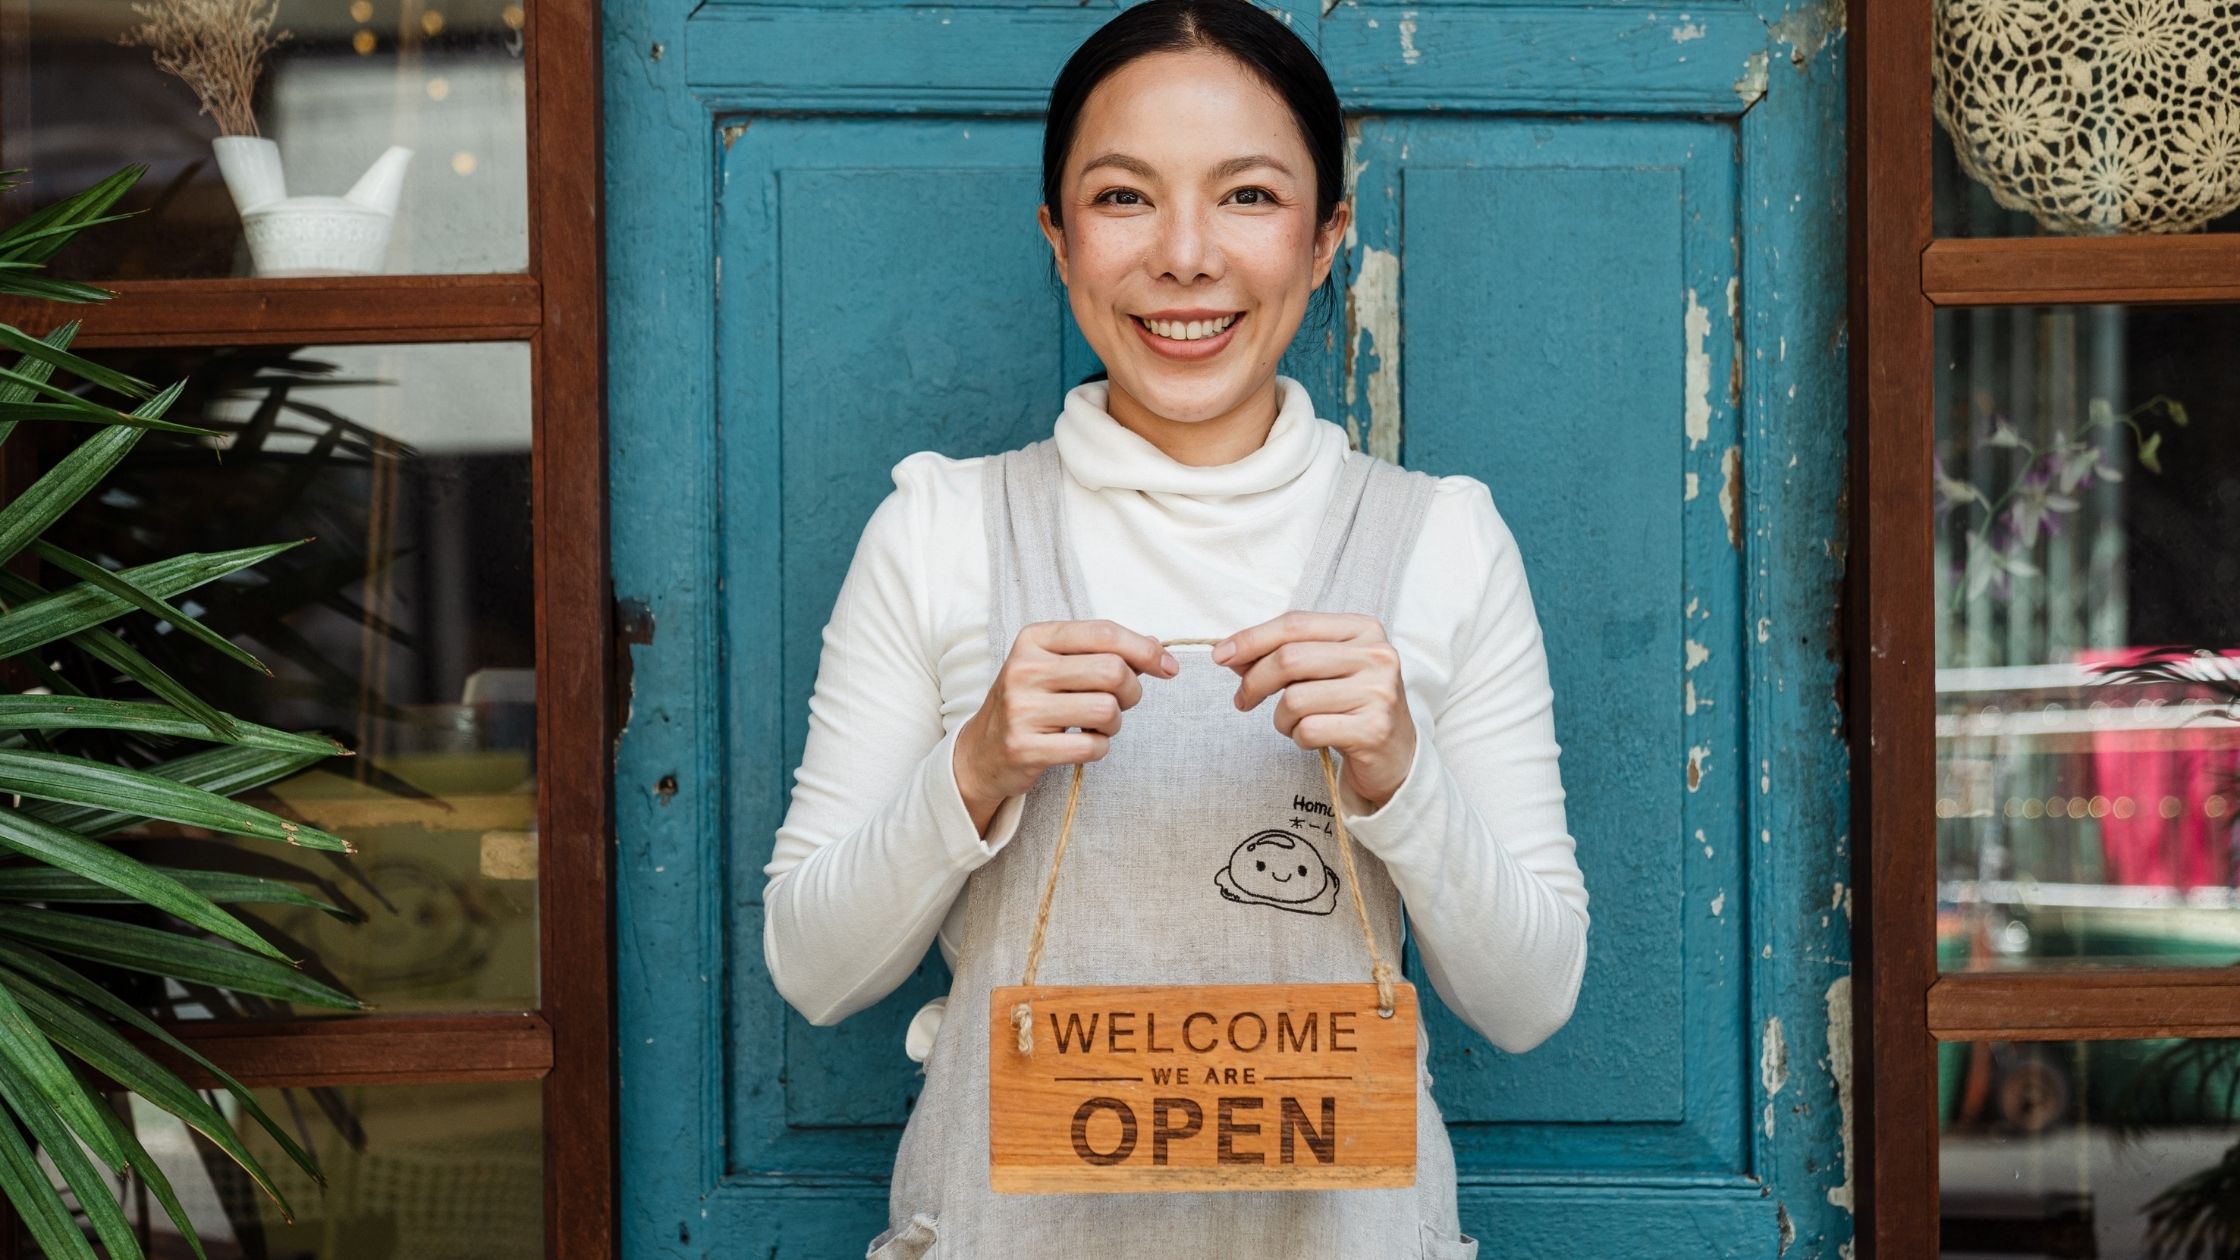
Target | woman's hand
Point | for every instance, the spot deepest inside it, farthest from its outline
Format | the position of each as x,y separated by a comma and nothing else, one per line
1058,675
1341,686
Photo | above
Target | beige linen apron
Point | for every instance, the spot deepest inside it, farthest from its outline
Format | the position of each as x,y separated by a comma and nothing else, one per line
1202,852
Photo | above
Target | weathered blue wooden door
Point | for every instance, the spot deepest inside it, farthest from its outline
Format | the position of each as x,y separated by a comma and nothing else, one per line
1598,265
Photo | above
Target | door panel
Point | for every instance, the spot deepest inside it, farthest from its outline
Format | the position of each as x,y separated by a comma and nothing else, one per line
1579,272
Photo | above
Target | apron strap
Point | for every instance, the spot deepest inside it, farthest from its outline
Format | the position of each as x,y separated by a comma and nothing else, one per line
1022,1015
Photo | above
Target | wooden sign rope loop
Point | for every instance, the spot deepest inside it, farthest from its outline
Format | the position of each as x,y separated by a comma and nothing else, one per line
1022,1015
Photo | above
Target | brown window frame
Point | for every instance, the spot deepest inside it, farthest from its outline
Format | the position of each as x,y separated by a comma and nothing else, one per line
556,306
1899,275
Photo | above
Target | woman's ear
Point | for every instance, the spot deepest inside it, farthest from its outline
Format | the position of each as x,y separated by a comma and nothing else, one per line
1056,236
1327,237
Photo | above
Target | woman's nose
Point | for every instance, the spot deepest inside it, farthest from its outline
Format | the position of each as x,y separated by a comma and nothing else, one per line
1185,248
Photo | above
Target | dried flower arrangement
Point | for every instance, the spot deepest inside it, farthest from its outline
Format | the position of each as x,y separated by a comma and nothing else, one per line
217,46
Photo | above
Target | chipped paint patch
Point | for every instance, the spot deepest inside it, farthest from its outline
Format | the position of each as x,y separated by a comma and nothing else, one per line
1751,87
1688,698
1839,1068
1730,493
1408,51
1373,316
1773,1064
1787,1227
1690,30
1354,167
1765,628
1694,488
1697,654
1698,324
1719,904
1808,30
732,133
1696,757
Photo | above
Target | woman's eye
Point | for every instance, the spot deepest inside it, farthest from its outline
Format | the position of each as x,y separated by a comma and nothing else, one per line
1260,196
1107,197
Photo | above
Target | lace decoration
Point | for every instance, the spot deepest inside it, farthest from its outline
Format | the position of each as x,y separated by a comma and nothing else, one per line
2095,116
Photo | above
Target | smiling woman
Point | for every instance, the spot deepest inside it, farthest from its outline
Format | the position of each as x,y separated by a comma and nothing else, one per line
1192,196
1003,612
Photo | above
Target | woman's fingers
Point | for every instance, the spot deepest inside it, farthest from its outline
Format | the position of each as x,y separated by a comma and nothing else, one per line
1090,710
1142,653
1297,662
1101,672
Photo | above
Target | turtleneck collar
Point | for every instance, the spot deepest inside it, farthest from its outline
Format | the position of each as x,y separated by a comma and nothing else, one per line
1100,453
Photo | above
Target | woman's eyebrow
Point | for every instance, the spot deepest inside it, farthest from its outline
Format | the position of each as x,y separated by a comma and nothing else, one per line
1142,169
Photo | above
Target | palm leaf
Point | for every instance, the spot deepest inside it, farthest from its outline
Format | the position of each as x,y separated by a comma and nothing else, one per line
85,1181
32,365
122,657
225,771
27,239
100,785
60,487
75,713
52,971
136,880
164,953
102,1049
24,1046
84,604
46,883
86,570
35,1198
152,1177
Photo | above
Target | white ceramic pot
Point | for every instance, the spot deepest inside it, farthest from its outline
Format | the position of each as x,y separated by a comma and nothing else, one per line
310,236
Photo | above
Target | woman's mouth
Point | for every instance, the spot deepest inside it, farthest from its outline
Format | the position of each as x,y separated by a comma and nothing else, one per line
1188,338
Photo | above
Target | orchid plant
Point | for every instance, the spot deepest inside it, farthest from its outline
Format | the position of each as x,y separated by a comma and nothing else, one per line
2003,528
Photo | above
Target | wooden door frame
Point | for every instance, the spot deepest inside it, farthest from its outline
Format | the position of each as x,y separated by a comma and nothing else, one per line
1900,275
688,83
557,307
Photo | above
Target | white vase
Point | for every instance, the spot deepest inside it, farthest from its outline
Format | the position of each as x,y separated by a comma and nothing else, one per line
310,236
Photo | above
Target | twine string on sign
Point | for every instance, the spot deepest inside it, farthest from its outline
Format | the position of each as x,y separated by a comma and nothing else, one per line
1022,1016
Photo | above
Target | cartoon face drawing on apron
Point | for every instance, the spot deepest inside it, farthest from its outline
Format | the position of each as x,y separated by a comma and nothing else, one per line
1202,852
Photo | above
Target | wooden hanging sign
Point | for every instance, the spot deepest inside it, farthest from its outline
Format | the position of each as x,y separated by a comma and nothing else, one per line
1201,1087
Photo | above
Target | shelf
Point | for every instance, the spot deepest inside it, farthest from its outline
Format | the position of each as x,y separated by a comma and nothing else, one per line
2042,270
306,310
362,1049
2085,1005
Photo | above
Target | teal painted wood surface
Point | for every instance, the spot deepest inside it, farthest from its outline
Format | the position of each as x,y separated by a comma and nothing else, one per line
1598,264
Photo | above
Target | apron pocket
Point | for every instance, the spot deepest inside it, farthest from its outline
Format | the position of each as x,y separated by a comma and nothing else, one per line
910,1240
1440,1245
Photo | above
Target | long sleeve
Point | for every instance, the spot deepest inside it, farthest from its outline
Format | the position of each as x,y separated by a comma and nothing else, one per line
1474,837
876,842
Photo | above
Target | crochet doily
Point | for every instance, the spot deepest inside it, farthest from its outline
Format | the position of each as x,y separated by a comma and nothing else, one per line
2095,115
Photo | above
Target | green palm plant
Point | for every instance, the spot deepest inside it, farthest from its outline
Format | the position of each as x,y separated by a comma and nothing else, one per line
61,885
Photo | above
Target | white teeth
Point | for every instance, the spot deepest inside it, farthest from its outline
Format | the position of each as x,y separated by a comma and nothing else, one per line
1188,330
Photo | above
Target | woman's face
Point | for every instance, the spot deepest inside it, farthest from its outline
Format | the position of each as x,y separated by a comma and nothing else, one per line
1189,246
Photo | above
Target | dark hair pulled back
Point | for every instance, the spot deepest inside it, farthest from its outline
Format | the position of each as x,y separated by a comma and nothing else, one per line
1255,38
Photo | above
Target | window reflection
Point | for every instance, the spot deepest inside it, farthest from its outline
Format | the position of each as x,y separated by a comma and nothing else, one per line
443,78
2120,1150
2088,638
404,628
429,1172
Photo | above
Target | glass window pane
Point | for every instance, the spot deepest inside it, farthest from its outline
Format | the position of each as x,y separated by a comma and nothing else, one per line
2120,1150
352,79
430,1172
403,627
2084,119
2088,636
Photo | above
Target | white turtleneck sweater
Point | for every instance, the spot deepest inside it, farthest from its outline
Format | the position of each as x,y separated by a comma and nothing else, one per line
877,842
